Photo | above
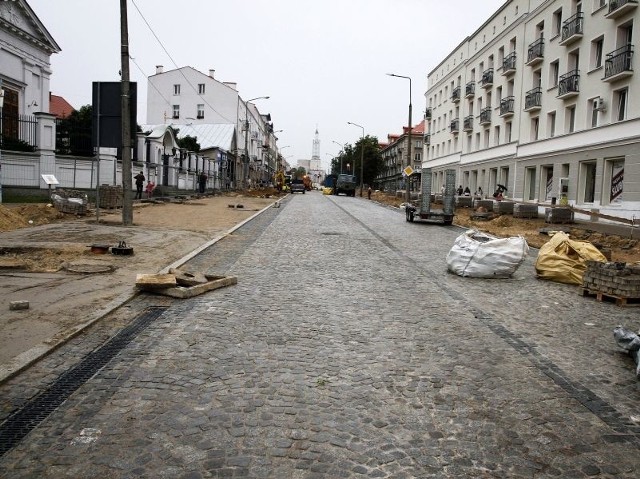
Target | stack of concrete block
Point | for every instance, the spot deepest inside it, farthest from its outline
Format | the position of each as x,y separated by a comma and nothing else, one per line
525,210
464,201
558,215
110,196
486,204
620,280
503,207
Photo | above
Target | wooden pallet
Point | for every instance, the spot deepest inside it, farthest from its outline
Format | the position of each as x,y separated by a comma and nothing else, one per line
611,298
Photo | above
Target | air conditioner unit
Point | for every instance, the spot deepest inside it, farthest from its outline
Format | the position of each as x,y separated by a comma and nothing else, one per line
599,105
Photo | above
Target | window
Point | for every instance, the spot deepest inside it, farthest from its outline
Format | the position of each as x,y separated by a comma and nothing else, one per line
615,172
176,89
200,114
486,138
554,69
496,136
596,53
508,132
557,22
621,104
551,123
588,181
200,88
176,111
571,119
535,123
593,108
530,183
598,4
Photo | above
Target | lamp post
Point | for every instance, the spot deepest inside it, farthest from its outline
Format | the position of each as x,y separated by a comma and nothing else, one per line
407,192
341,152
245,165
361,155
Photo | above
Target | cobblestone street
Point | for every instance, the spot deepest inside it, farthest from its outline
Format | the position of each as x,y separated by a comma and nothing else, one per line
346,350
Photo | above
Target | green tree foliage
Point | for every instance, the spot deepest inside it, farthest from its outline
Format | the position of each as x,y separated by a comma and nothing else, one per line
190,143
73,133
366,147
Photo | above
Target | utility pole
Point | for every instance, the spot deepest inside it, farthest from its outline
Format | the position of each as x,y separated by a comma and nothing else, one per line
127,206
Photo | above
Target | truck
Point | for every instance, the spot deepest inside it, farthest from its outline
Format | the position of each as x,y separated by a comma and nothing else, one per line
345,184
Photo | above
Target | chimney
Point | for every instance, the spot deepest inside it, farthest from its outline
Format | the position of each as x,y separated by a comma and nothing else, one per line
159,69
231,84
211,73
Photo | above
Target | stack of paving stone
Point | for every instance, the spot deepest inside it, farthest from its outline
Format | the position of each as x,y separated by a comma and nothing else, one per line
110,196
70,201
616,280
558,215
525,210
464,201
503,207
486,204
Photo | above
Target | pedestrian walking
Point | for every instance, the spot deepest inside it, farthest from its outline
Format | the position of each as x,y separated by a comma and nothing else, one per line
369,193
139,184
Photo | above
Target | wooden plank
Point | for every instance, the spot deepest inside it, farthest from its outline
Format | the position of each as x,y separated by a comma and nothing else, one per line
155,281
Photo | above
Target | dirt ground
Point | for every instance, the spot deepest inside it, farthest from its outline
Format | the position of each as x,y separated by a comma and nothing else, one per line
625,250
48,259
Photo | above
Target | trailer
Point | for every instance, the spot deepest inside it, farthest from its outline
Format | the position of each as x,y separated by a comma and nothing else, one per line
425,212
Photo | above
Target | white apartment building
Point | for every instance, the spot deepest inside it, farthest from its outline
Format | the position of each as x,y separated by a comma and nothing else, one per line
185,96
542,99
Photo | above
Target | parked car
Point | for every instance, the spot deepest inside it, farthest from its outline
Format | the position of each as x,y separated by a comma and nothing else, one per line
297,186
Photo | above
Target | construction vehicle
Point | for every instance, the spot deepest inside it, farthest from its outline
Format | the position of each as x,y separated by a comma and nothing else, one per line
425,211
345,184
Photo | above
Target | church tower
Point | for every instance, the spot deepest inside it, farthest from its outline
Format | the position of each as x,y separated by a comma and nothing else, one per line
315,152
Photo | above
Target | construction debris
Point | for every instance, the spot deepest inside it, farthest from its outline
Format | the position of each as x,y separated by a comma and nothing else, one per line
630,342
171,284
18,305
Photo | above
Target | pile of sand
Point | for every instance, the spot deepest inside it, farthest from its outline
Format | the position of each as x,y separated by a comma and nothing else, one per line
11,220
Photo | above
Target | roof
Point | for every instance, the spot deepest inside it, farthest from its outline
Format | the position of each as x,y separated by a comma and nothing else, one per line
209,135
59,107
20,20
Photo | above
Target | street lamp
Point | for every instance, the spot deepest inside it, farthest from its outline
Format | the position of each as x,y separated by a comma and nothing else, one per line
341,153
407,192
245,172
361,155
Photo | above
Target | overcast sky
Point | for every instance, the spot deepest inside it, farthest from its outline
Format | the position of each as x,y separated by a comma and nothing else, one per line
322,62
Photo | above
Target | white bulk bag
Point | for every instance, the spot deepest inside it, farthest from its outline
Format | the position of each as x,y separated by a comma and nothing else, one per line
479,255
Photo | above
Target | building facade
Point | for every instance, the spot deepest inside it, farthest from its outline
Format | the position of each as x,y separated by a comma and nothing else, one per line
394,156
185,96
539,99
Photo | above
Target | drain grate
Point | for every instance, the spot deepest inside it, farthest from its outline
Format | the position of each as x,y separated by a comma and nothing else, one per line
23,421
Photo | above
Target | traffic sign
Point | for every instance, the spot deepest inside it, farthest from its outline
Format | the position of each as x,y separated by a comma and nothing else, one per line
408,171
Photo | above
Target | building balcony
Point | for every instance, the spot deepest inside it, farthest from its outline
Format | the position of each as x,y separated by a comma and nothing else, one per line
569,84
455,94
507,106
617,8
470,89
427,139
487,78
618,64
485,116
509,64
572,29
535,53
467,123
427,114
533,100
454,126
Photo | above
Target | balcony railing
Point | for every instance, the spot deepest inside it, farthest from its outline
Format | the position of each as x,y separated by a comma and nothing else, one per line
454,126
572,28
509,64
467,123
533,99
487,78
427,139
455,94
427,114
569,84
617,8
535,54
485,115
470,89
507,105
618,63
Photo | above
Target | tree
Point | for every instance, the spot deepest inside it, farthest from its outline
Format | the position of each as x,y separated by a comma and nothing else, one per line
74,133
189,143
367,148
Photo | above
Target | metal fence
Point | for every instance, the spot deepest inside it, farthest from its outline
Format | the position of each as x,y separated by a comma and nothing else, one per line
18,132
